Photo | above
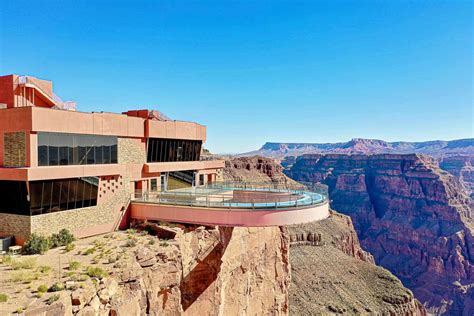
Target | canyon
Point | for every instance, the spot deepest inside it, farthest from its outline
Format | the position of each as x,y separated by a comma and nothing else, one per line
330,272
435,148
412,216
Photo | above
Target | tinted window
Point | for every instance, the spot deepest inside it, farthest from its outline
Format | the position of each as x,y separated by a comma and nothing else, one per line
65,194
13,195
165,150
72,149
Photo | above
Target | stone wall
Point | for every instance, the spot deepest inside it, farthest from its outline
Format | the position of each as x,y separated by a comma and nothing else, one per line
17,225
131,151
14,151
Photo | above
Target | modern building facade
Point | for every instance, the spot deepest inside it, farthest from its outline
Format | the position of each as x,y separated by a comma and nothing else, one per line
60,168
93,172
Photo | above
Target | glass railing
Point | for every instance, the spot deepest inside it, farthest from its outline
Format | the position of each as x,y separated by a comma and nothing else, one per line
240,195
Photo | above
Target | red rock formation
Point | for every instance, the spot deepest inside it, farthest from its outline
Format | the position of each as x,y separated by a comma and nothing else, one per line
331,273
462,167
254,169
413,217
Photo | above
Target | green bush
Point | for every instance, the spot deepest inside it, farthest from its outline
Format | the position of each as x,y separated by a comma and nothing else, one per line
74,265
42,288
96,272
63,238
52,299
36,245
70,247
56,287
44,269
3,298
89,251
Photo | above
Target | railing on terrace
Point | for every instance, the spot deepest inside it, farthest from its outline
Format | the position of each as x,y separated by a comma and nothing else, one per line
221,195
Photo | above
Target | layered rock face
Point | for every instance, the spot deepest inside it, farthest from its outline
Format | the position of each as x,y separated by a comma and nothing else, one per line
413,217
255,169
330,271
201,271
436,148
461,167
332,274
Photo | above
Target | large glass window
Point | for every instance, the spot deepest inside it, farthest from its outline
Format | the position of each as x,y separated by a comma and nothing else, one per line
165,150
73,149
47,196
14,198
65,194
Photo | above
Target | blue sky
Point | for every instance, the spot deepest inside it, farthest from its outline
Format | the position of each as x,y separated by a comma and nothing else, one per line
257,71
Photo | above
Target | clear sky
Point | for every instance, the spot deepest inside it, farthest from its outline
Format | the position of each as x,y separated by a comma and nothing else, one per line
257,71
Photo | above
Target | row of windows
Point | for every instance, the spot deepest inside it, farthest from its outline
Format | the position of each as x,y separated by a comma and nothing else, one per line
166,150
48,196
71,149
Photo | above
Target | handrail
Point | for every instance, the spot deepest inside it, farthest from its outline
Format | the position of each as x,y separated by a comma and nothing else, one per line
222,196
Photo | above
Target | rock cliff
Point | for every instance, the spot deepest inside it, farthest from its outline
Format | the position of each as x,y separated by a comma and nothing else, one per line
254,169
414,218
331,273
462,167
198,271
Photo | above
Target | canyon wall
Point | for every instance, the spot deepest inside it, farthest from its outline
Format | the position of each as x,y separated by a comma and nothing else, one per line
254,169
413,217
331,273
196,271
462,167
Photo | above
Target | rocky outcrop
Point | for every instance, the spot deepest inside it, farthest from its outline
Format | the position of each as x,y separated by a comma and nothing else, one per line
202,271
332,274
462,167
413,217
254,169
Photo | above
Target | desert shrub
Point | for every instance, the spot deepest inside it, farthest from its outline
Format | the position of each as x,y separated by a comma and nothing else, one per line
56,287
152,242
3,298
70,274
80,278
24,277
112,259
36,244
89,251
96,272
52,299
43,288
164,244
6,259
70,247
74,265
27,263
63,238
44,269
